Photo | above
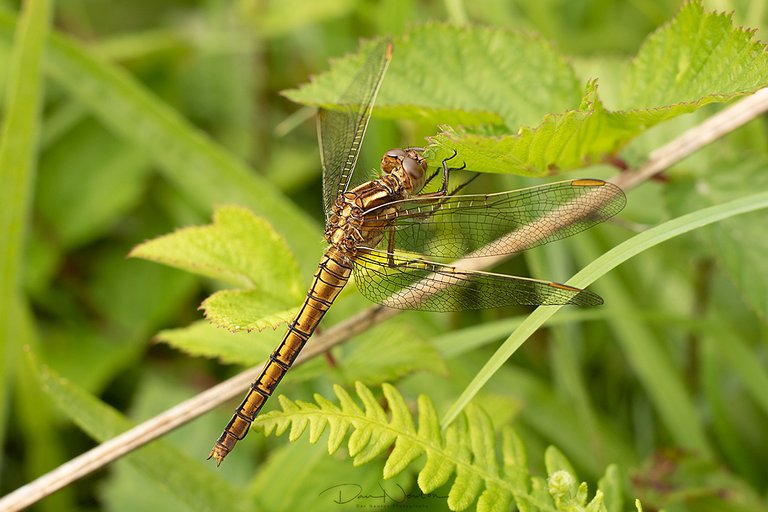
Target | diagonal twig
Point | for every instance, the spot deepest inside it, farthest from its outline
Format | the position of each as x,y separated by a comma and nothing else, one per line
713,128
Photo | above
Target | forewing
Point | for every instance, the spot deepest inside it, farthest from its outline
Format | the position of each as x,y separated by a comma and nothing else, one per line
504,223
402,282
341,130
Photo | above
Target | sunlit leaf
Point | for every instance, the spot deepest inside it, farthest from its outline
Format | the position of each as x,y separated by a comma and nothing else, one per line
241,249
544,121
460,75
699,57
203,339
248,310
238,248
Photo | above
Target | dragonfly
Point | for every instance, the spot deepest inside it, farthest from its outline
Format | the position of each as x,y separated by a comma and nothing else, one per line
398,242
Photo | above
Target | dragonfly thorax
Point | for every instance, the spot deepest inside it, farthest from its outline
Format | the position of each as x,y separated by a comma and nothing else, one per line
349,227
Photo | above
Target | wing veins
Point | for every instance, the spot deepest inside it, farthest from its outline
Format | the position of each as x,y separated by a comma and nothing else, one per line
341,132
456,226
416,283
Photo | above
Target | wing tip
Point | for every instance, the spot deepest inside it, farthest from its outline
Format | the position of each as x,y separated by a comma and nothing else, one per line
587,299
580,296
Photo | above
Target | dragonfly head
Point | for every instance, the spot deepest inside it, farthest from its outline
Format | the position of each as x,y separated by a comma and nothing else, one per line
409,164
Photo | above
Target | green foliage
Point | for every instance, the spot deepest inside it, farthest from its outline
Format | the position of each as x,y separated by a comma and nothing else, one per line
459,75
195,164
670,396
697,58
544,123
240,249
76,169
157,113
192,484
701,189
204,339
405,351
466,450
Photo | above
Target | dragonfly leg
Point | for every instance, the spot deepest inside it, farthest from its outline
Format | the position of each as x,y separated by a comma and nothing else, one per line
391,251
391,245
447,170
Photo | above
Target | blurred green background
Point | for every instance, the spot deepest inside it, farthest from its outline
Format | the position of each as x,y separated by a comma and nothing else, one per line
221,65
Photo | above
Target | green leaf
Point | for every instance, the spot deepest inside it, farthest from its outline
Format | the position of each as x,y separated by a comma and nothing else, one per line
585,135
248,310
699,57
203,339
610,485
515,465
696,59
238,248
556,461
241,249
187,479
545,123
88,180
459,75
372,361
568,494
741,244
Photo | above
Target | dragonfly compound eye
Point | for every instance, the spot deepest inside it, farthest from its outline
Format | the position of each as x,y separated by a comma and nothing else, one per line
391,160
416,169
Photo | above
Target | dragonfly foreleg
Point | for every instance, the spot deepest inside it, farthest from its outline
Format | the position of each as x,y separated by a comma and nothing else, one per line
447,170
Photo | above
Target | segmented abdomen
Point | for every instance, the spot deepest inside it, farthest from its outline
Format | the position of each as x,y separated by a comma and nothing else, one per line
331,276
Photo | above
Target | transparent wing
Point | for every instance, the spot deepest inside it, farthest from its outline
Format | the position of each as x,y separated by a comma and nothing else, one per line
455,226
341,131
402,282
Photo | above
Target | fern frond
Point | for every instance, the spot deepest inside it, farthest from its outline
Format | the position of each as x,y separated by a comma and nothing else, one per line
466,449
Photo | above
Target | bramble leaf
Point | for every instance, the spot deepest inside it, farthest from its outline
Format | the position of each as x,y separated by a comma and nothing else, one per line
697,59
241,249
203,339
459,75
514,103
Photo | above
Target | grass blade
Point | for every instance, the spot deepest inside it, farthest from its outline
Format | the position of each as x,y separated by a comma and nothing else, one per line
18,146
201,169
597,269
